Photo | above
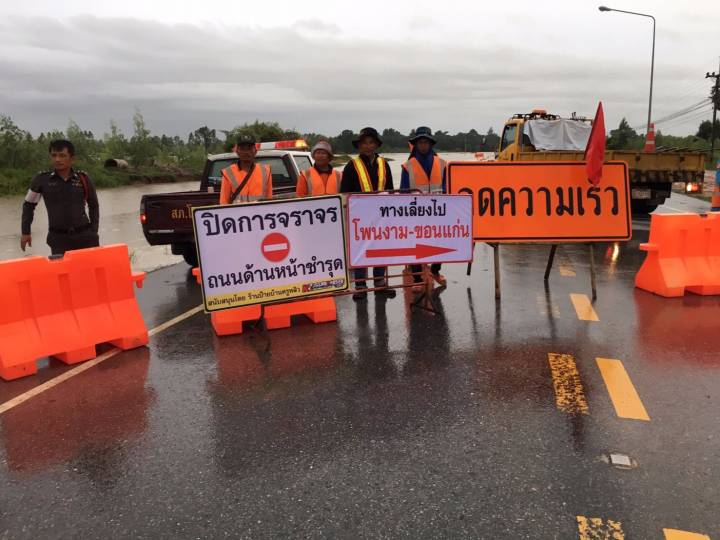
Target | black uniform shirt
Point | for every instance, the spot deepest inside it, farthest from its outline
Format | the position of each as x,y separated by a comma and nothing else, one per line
351,183
64,200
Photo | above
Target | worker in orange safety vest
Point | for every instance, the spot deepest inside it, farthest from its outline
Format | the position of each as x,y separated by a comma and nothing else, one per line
245,181
424,171
321,178
368,173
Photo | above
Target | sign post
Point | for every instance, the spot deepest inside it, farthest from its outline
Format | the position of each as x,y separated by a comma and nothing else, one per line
273,251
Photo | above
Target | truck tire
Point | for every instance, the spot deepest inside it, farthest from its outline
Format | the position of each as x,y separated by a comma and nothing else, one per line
190,255
642,207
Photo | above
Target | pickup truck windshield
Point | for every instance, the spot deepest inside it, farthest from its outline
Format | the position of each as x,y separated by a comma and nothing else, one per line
303,162
280,174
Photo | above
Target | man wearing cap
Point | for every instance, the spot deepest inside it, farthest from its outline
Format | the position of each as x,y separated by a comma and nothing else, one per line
321,178
424,171
245,181
368,173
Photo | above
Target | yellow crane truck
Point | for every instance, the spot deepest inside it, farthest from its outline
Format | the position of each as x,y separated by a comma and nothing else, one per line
539,136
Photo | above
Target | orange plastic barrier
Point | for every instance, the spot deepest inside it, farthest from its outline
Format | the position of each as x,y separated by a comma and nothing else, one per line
230,321
683,254
64,308
318,310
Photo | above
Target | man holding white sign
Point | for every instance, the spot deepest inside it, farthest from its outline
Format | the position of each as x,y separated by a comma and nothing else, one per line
424,171
245,181
368,173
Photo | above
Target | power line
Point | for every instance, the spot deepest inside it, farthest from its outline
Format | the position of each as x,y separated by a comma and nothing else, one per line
693,114
679,113
684,112
697,87
695,117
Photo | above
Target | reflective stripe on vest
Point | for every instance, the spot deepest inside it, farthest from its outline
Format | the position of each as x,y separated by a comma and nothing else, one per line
419,179
364,176
315,184
245,195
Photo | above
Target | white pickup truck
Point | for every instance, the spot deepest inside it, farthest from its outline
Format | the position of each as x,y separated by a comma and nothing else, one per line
166,217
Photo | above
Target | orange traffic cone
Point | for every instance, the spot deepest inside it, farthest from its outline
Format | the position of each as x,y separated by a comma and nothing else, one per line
650,140
715,202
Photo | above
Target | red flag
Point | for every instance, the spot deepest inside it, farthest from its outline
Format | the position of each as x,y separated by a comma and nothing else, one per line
595,150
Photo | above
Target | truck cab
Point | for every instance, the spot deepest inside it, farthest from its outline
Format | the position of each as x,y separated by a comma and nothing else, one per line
539,136
166,218
514,139
285,167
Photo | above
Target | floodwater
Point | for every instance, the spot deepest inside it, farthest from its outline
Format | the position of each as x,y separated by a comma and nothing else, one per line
119,224
119,219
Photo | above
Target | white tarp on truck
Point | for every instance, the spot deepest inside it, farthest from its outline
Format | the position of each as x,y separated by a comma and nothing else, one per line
561,134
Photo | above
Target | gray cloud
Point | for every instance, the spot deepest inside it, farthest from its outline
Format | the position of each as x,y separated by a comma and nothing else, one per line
305,76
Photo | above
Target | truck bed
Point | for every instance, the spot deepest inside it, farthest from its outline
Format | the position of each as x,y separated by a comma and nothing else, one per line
643,167
167,216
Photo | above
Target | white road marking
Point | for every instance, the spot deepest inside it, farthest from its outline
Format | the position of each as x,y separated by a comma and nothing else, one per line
22,398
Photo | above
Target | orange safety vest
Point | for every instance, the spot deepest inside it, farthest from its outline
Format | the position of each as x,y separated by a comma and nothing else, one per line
419,179
316,185
258,187
364,176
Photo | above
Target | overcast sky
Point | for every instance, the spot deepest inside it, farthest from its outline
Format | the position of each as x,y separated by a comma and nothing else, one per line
322,66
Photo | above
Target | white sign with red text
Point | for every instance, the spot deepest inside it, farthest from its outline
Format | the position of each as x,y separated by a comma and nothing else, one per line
394,229
257,253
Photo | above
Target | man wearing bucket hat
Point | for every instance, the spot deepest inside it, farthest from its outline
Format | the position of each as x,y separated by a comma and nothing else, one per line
321,178
245,180
368,173
424,171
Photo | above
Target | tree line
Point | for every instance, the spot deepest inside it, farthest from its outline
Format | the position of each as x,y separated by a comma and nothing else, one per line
626,138
20,151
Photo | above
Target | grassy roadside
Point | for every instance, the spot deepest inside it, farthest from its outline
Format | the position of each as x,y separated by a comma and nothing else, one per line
17,181
341,159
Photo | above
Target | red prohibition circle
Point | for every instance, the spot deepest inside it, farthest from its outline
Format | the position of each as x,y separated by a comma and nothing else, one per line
275,247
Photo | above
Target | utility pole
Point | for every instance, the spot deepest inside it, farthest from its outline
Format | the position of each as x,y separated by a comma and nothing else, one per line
715,96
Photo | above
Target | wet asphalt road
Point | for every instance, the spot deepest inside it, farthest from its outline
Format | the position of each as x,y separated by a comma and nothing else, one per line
391,423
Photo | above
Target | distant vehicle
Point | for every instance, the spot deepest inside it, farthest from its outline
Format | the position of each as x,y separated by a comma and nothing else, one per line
539,136
485,156
166,217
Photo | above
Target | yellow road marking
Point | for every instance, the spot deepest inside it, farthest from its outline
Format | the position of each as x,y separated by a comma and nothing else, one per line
599,529
44,387
583,307
674,534
622,392
569,392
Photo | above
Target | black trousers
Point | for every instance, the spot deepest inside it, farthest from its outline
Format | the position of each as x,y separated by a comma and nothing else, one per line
379,273
415,268
61,242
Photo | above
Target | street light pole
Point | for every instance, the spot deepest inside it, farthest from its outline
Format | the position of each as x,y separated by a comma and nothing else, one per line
652,61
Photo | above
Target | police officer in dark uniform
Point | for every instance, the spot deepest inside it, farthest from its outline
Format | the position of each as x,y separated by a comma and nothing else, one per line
66,192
